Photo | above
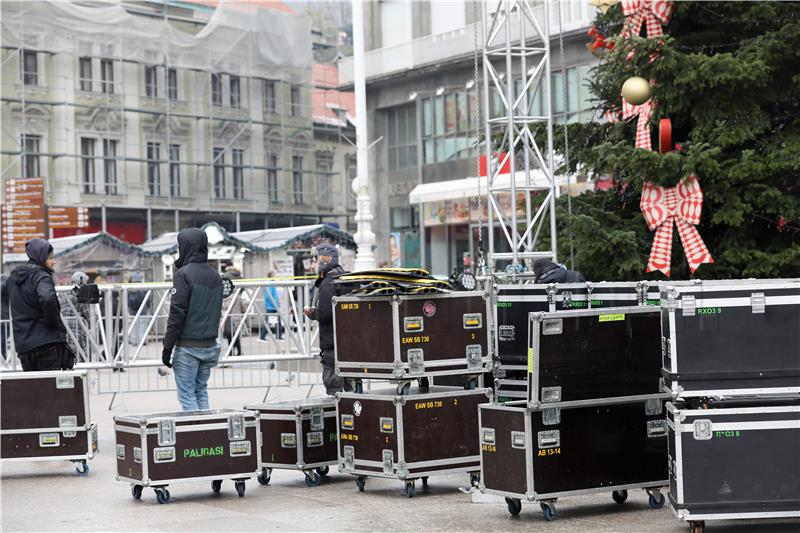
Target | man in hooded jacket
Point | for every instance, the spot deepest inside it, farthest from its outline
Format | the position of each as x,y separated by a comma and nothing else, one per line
39,335
547,271
194,314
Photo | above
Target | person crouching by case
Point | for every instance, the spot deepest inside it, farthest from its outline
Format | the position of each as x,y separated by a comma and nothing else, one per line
328,268
194,314
39,335
547,271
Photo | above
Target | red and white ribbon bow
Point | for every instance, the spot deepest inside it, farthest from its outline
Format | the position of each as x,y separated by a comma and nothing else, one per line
642,125
653,13
683,204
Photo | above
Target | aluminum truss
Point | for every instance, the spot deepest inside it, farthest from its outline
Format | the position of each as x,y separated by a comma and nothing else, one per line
517,49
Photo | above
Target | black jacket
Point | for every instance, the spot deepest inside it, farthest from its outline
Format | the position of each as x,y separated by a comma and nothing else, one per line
323,313
559,274
196,305
35,310
4,305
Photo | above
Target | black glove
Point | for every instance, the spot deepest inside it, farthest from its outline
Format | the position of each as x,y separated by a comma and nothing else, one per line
165,357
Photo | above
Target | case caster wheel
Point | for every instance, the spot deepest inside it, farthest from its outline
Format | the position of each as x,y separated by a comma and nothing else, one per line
475,480
323,470
312,478
425,482
424,383
82,468
471,383
411,489
360,482
620,496
216,485
514,506
240,487
697,527
548,511
357,385
136,492
264,476
656,500
162,495
403,388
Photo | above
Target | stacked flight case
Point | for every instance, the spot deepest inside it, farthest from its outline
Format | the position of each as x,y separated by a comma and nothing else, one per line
514,302
594,417
411,432
44,416
731,362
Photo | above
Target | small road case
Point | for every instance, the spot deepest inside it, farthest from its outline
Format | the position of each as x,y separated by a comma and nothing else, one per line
546,453
159,449
734,462
298,435
593,355
409,337
44,416
407,437
731,338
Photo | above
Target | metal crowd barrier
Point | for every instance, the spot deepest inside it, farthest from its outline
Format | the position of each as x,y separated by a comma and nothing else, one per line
123,333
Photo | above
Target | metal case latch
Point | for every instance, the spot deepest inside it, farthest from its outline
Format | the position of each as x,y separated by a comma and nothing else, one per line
416,361
702,429
473,321
164,455
552,326
487,436
413,324
236,429
656,428
388,462
65,382
551,416
47,440
551,296
121,452
688,305
566,299
137,455
474,354
314,439
653,407
551,394
348,422
317,419
387,424
68,422
506,333
641,292
166,432
240,448
288,440
758,302
518,440
349,457
549,439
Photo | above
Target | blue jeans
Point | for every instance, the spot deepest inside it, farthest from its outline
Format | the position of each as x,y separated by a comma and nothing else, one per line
192,367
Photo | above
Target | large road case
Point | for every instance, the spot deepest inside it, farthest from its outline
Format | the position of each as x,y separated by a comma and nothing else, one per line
298,435
44,416
584,357
423,433
412,336
734,462
731,338
545,453
160,449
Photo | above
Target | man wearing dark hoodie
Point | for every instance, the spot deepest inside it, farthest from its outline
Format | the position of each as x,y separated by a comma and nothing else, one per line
39,335
328,268
546,271
194,313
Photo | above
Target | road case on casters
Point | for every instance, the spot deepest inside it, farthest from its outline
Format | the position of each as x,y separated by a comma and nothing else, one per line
731,338
160,449
44,416
412,436
298,435
410,336
734,462
549,452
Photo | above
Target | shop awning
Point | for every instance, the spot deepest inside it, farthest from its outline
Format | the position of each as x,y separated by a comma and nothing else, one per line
468,187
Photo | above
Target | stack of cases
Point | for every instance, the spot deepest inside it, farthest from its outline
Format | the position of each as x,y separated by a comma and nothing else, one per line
411,432
514,302
44,416
731,361
594,419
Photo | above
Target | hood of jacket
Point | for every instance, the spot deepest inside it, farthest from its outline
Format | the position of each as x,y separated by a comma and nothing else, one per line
38,251
192,247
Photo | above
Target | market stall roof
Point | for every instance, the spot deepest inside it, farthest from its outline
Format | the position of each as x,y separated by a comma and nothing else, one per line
468,187
65,245
167,243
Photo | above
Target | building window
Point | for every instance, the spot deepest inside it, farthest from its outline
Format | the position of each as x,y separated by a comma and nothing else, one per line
107,76
30,67
216,89
85,73
297,179
219,173
110,165
175,170
172,84
272,177
574,104
153,169
87,164
401,134
295,100
324,181
447,130
237,156
151,81
236,94
30,156
270,104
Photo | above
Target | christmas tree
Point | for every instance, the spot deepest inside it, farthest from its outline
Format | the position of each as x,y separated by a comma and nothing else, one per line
727,75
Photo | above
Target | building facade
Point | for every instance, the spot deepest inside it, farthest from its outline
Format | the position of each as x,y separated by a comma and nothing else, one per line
163,115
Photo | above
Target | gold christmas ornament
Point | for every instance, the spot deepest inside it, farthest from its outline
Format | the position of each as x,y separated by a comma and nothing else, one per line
603,5
636,90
